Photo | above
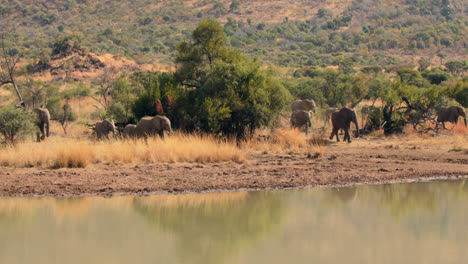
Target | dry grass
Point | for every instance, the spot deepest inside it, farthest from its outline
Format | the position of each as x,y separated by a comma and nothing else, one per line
75,153
286,140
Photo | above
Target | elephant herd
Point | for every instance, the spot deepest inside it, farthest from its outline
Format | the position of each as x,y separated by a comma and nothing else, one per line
147,126
301,117
341,118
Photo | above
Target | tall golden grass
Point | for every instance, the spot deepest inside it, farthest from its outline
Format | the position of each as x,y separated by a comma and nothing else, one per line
79,153
285,140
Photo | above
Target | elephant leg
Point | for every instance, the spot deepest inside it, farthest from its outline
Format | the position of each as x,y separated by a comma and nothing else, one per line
335,132
161,134
332,134
38,137
347,136
47,124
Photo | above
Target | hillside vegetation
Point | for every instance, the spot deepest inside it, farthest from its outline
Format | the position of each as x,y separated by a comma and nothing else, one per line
280,32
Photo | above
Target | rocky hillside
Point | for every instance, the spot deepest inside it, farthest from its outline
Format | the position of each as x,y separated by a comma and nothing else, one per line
285,33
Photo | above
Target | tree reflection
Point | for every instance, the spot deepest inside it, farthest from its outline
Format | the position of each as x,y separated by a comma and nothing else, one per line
214,229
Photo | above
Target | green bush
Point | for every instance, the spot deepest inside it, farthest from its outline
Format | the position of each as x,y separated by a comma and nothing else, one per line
15,124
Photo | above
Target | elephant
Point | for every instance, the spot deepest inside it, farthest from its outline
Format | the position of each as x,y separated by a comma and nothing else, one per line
43,122
342,120
301,119
305,105
450,114
129,131
103,128
150,125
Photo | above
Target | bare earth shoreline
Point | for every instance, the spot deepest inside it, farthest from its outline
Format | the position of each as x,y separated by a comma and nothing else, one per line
341,164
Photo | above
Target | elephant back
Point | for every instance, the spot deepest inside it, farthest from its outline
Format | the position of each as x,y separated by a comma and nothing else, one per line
145,126
305,105
42,114
129,130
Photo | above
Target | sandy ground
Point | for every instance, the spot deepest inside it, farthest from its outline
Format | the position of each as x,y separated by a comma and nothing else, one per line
341,164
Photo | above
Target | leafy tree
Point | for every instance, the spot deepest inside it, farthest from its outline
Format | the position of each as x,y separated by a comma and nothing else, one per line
9,59
459,92
406,104
227,92
37,93
411,77
15,124
160,87
456,67
435,75
65,116
423,63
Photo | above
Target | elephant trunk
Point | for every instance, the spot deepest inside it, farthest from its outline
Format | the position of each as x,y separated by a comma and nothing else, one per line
464,119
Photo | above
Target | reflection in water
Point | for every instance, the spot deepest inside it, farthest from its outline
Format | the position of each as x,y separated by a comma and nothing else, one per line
211,230
401,223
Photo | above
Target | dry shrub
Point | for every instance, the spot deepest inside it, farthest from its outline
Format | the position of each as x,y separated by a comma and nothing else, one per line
71,153
288,139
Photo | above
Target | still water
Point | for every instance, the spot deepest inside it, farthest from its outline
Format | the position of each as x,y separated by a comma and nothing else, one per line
400,223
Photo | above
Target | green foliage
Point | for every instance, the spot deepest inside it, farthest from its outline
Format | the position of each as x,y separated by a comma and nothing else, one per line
65,116
436,75
457,67
228,93
411,77
419,105
156,86
15,124
459,92
366,29
66,45
330,87
37,93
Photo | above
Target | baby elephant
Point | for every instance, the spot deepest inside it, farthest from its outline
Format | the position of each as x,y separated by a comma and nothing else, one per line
129,131
301,119
103,128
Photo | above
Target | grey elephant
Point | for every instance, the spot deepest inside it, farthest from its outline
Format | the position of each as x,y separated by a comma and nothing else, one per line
305,105
301,119
129,131
103,128
149,126
450,114
43,122
342,120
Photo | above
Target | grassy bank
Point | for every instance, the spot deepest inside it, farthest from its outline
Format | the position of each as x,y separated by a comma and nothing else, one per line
78,153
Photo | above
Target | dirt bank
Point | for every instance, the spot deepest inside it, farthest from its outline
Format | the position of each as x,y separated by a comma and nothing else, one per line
341,163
